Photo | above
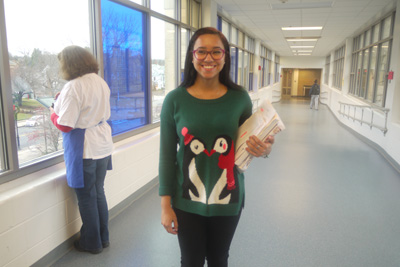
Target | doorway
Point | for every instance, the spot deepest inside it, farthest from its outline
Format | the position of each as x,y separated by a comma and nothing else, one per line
298,82
287,79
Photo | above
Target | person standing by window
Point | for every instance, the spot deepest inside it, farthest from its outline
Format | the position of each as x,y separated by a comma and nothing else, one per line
81,112
314,93
202,193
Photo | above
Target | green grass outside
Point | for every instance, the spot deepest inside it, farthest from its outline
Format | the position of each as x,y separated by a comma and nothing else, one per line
23,116
28,104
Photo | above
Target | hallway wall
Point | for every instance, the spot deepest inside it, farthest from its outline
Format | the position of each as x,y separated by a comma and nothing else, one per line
40,212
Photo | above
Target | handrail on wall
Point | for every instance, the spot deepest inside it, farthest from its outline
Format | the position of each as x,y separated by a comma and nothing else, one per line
373,109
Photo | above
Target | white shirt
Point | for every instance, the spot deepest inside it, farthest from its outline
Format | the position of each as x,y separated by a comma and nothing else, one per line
85,103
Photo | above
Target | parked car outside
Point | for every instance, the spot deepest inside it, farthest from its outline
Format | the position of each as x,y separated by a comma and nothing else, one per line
34,121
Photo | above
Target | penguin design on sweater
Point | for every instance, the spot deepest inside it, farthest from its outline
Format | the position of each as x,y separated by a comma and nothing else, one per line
193,187
224,190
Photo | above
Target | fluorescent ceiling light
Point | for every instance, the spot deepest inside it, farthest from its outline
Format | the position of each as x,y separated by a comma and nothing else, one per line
301,28
300,54
326,4
301,46
301,40
304,51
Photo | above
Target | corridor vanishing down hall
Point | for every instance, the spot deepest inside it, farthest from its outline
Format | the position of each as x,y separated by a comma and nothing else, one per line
322,198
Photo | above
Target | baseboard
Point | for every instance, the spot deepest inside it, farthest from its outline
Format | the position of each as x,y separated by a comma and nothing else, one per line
57,253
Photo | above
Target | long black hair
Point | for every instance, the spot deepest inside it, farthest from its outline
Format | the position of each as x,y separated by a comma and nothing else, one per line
190,73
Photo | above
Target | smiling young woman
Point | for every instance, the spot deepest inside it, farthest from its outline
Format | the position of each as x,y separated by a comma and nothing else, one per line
201,191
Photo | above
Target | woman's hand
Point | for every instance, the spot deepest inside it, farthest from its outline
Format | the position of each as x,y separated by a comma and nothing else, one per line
258,148
168,216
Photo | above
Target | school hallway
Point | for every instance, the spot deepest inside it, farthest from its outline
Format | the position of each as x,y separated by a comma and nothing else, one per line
323,198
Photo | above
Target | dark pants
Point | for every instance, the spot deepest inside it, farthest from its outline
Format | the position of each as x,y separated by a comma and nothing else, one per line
93,204
203,238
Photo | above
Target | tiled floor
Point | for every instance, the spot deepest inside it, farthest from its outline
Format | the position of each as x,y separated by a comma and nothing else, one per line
323,198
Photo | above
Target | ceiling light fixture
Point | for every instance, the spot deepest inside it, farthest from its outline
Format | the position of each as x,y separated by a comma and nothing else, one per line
301,46
301,39
327,4
301,28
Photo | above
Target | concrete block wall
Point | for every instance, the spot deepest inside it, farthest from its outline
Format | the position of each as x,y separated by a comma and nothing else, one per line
39,211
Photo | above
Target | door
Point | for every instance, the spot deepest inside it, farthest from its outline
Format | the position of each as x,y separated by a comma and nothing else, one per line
287,77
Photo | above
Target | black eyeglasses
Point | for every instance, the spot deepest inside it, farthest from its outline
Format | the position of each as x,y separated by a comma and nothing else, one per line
216,53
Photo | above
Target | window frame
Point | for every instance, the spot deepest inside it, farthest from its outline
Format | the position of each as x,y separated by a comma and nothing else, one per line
360,46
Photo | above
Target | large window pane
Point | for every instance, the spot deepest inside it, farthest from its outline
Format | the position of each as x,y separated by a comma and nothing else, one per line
35,36
246,70
3,161
140,2
234,35
382,71
233,63
124,54
364,73
362,40
184,46
386,27
163,62
368,38
375,37
372,73
165,7
184,11
359,72
196,14
225,29
240,68
241,39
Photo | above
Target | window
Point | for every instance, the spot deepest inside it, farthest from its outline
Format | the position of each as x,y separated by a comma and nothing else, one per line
370,62
242,53
269,56
133,49
265,69
277,66
140,2
338,66
33,49
195,14
372,73
185,38
225,29
165,7
233,39
383,66
163,35
240,67
184,11
124,65
327,69
234,63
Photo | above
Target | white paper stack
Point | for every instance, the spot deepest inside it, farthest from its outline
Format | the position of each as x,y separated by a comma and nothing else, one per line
263,123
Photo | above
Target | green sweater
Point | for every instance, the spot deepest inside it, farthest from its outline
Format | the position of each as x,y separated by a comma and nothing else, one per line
197,144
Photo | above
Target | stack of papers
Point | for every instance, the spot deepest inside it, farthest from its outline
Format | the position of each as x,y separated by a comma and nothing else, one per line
263,123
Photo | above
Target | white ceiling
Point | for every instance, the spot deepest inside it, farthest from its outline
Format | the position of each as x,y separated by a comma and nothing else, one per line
343,19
